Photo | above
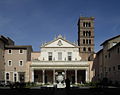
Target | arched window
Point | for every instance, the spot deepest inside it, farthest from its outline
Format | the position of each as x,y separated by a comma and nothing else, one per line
84,49
89,24
89,33
89,49
89,41
86,41
84,24
7,76
84,33
83,41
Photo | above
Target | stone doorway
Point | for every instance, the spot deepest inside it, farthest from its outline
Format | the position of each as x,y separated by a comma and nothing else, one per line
21,76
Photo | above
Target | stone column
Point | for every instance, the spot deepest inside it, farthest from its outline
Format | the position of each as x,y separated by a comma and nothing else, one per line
43,72
32,75
86,73
54,76
75,76
65,74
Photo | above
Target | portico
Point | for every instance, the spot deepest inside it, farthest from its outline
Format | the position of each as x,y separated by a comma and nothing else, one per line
47,73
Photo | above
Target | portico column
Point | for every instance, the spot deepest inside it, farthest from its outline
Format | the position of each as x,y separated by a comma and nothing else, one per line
43,73
86,72
54,76
32,75
65,74
75,76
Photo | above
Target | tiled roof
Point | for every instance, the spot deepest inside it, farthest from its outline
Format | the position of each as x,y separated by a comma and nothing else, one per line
109,40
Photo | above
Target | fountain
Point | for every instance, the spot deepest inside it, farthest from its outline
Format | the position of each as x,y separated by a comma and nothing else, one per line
60,78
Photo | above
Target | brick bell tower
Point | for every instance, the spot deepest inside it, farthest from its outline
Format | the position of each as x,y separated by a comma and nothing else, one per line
86,37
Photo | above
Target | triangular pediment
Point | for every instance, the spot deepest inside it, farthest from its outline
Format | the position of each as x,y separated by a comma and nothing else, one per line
59,42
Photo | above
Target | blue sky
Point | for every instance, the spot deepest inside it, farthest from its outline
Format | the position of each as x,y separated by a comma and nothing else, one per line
32,22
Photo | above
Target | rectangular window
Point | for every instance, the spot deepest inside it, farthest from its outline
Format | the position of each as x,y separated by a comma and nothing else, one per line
113,68
59,55
69,56
9,62
109,69
118,50
105,56
118,67
50,56
21,63
9,51
21,51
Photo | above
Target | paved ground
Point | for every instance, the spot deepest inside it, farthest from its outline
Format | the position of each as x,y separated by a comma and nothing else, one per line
53,91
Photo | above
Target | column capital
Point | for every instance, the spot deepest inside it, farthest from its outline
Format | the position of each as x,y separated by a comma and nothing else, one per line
43,70
32,69
65,69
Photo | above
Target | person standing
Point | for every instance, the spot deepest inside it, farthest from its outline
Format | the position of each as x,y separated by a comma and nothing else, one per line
67,81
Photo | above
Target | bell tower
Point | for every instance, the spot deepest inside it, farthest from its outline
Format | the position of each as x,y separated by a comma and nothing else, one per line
86,37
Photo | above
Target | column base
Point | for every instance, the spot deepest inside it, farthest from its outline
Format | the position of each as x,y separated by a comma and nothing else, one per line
76,83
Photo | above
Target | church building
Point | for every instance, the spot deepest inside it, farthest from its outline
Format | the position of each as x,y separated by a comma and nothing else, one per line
63,58
56,61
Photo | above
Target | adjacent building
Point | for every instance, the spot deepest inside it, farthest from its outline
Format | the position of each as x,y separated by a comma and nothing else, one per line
107,60
3,41
16,62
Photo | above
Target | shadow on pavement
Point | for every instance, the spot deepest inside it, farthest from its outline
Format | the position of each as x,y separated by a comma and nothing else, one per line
55,91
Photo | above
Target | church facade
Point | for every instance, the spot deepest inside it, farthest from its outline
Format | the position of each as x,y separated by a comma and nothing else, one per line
60,57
